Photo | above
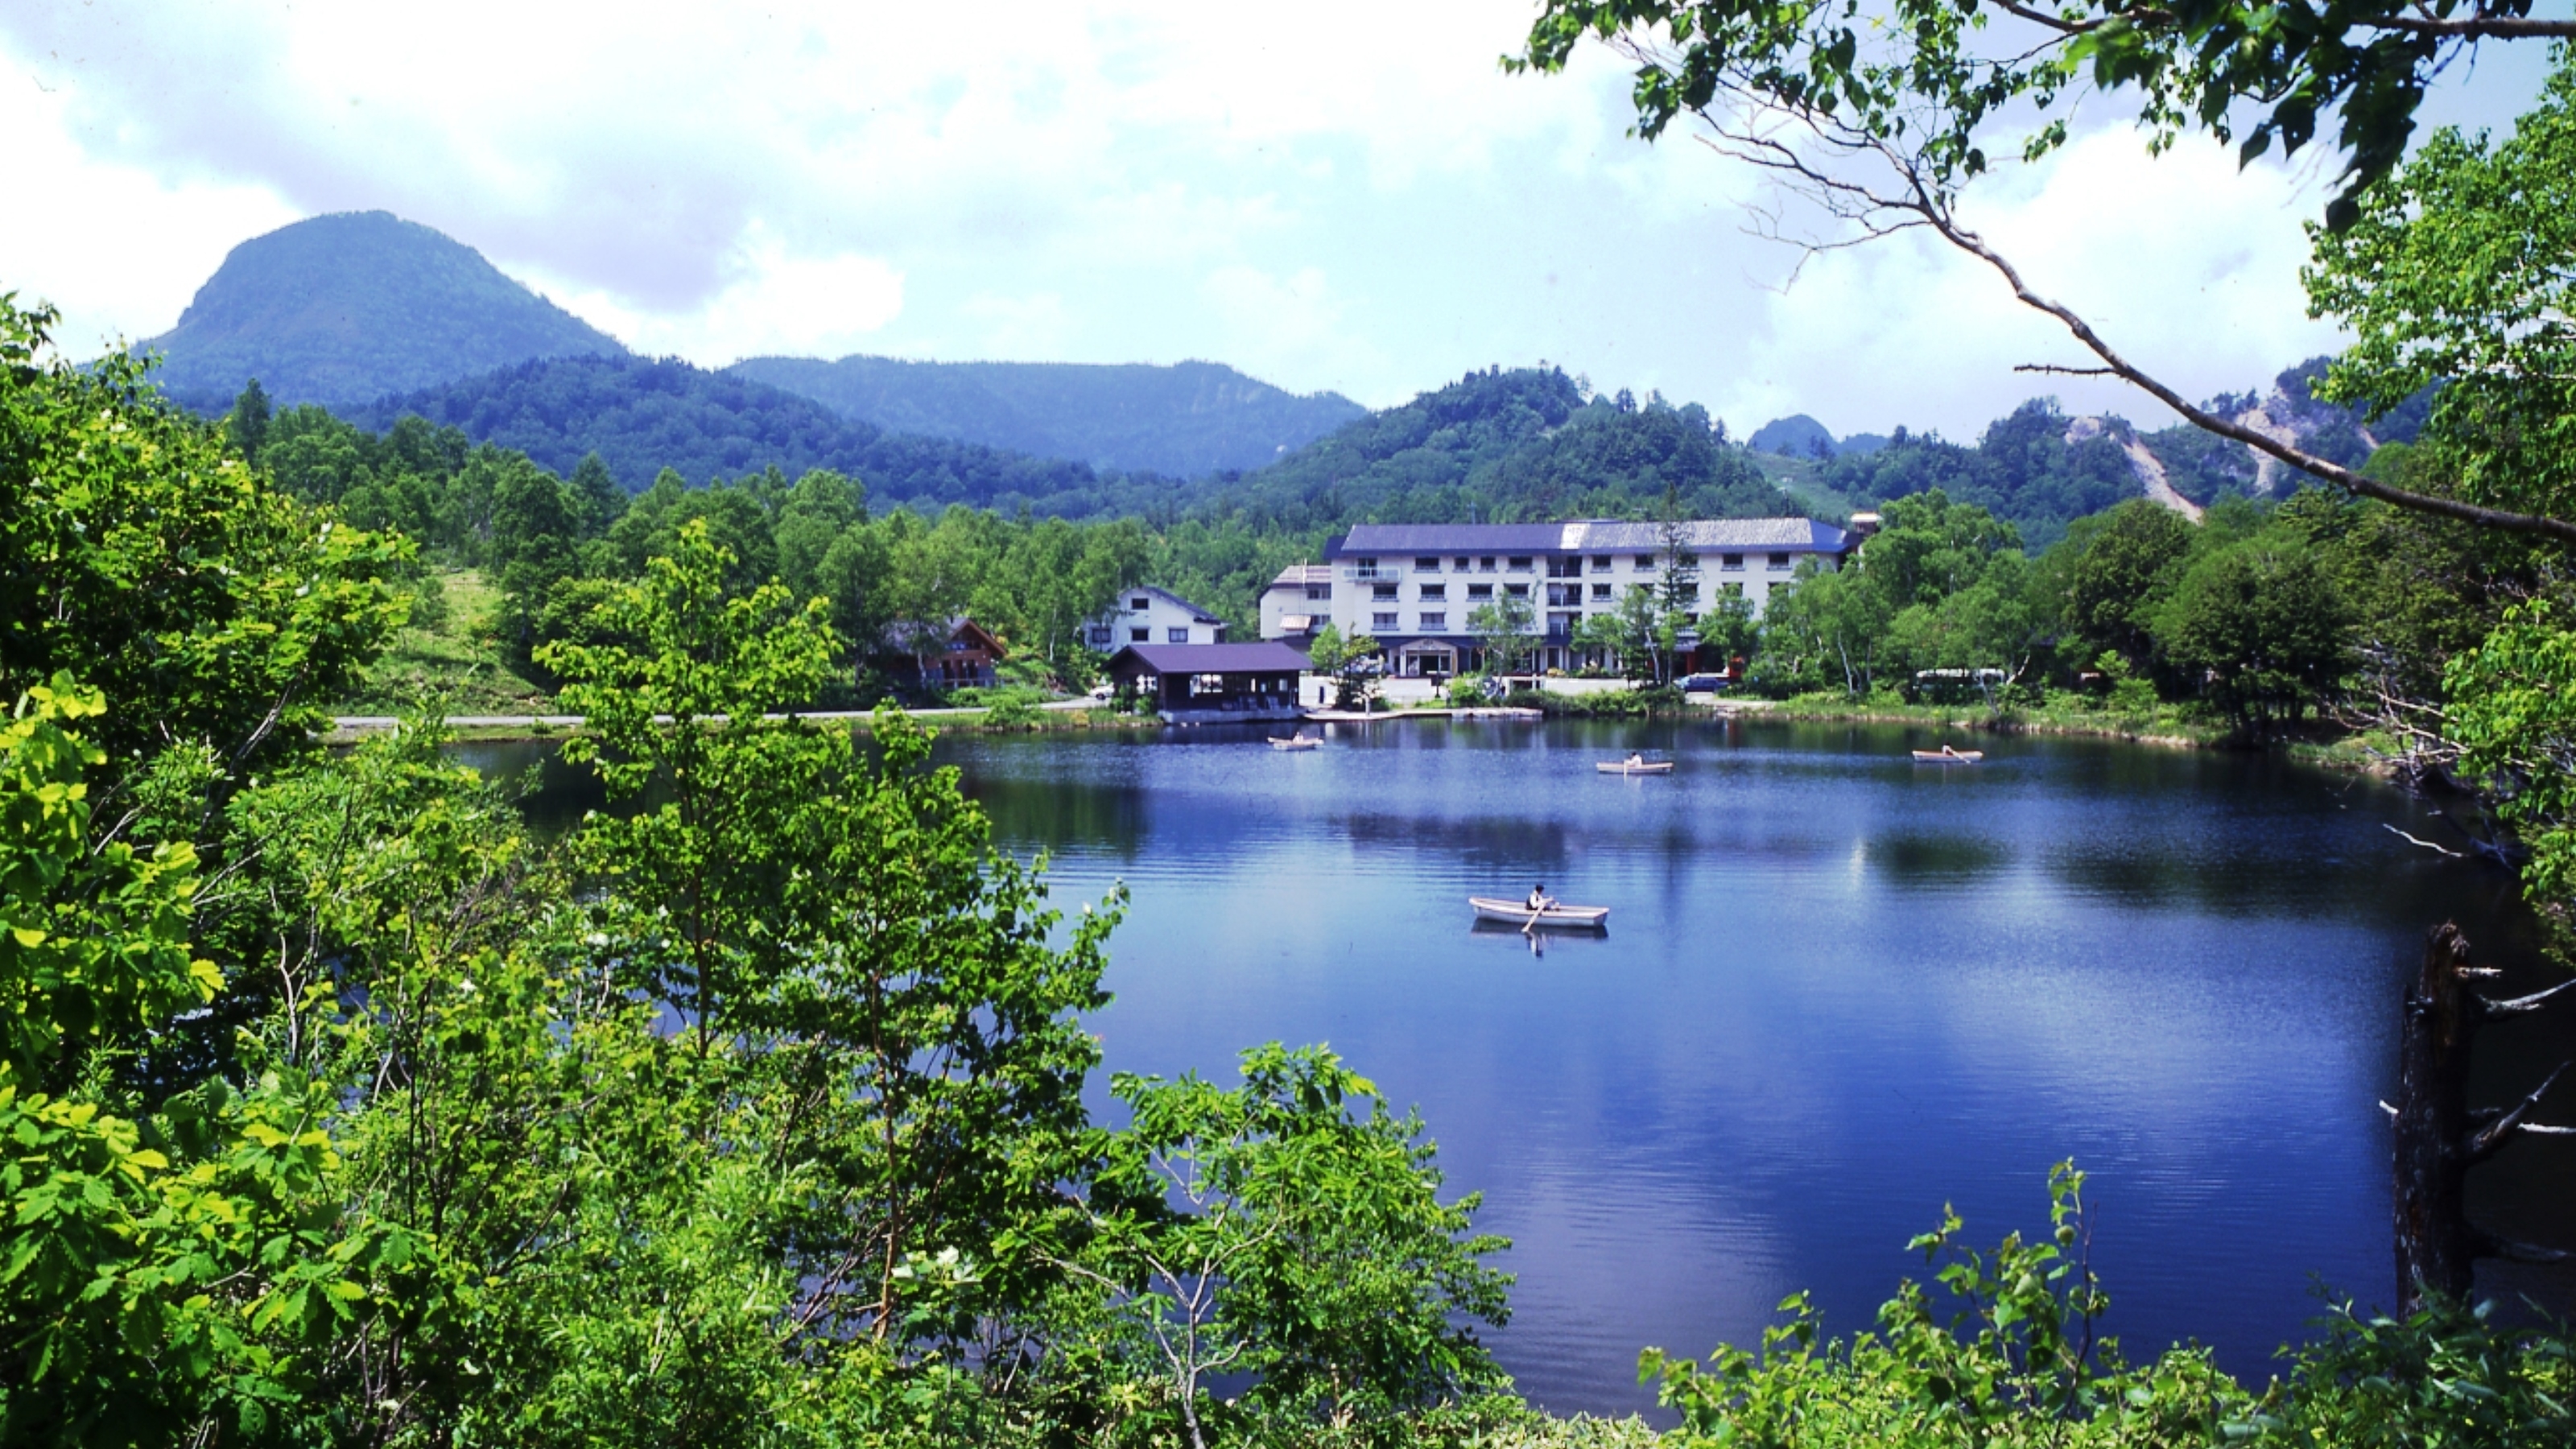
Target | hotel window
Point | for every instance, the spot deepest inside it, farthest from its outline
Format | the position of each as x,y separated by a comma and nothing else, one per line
1434,623
1479,591
1431,592
1382,591
1642,562
1099,638
1600,592
1601,563
1462,564
1730,561
1140,602
1319,591
1485,565
1427,565
1139,636
1517,591
1180,635
1382,620
1520,563
1778,561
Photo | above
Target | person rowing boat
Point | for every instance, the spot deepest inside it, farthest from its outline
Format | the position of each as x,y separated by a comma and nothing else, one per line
1539,899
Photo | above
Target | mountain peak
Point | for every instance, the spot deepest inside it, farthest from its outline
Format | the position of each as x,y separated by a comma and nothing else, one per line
352,306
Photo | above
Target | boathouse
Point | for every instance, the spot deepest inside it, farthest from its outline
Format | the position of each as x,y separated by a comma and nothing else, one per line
1211,683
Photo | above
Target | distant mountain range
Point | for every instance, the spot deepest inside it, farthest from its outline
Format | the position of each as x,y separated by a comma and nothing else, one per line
378,318
1186,421
349,309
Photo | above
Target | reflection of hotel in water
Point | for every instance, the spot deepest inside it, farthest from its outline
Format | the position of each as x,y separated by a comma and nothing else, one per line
1413,585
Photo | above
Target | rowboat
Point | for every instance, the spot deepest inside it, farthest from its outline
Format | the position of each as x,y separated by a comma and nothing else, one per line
1633,765
1554,918
1296,742
1948,756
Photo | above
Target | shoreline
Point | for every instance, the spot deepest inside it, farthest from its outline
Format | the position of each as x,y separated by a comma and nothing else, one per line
1055,716
2346,755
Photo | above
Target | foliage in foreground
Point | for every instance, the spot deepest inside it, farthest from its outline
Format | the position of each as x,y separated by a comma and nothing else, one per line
2018,1363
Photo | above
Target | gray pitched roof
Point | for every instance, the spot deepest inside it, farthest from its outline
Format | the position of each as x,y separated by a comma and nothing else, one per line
1267,657
1602,535
1711,533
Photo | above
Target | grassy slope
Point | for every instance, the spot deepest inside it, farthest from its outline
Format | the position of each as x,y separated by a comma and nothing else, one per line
1803,479
449,658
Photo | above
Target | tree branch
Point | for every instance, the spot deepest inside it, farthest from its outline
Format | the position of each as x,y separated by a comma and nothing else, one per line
2491,1246
2490,1140
2428,845
2473,28
1875,212
2517,1005
2120,367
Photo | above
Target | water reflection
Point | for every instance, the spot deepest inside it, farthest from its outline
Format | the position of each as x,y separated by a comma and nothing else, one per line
1840,991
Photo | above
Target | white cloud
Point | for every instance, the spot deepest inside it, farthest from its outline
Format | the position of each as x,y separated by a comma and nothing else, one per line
118,249
1344,195
773,303
2186,265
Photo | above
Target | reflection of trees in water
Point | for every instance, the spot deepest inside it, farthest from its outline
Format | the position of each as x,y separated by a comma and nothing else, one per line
1490,842
2253,878
1055,814
1914,858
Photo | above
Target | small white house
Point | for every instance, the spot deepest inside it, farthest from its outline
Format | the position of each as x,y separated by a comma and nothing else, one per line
1148,615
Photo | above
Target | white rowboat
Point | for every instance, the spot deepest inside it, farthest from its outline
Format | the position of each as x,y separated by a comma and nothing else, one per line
1296,742
1634,767
1554,918
1948,756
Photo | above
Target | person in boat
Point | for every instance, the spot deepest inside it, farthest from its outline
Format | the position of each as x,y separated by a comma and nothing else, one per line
1539,899
1635,759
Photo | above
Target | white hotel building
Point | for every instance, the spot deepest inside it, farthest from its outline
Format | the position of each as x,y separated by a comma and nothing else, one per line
1413,585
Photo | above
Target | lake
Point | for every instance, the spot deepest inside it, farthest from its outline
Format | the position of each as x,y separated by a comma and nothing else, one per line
1838,990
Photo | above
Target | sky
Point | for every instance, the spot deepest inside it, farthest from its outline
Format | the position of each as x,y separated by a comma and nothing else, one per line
1342,196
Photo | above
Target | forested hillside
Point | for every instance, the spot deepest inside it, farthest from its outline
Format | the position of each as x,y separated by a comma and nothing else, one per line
2040,468
1502,446
641,416
344,309
1187,420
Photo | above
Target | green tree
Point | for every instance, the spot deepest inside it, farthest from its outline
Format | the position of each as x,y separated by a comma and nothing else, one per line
1309,1246
1352,665
2116,574
1505,629
598,500
167,1270
2260,628
2455,274
247,425
138,552
842,924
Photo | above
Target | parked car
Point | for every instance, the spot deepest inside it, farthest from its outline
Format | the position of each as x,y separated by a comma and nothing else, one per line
1703,683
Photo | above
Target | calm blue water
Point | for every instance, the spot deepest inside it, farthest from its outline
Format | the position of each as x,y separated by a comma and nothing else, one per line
1838,991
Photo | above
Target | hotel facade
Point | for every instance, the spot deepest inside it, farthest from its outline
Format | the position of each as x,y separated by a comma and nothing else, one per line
1413,586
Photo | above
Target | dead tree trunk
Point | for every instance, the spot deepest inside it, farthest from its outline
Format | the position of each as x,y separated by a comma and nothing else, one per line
2439,1137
